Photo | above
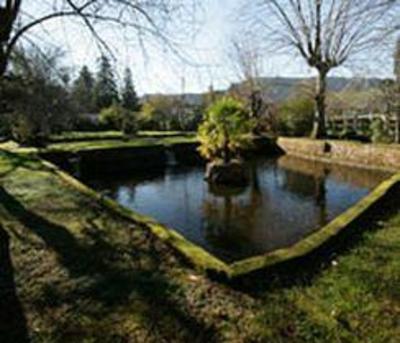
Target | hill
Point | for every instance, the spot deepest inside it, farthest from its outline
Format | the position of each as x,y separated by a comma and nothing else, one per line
280,88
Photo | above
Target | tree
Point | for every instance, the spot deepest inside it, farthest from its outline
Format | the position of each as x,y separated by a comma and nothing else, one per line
225,130
295,116
130,100
116,117
396,95
146,117
327,34
83,91
37,98
145,19
161,112
246,57
105,90
397,61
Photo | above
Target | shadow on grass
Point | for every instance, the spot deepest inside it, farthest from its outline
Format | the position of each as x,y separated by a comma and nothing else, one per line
15,161
114,279
12,319
303,271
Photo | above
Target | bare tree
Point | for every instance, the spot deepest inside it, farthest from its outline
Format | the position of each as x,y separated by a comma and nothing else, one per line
246,57
397,61
247,61
327,34
143,17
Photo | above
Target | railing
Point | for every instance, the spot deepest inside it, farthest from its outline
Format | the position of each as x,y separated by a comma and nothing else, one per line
361,121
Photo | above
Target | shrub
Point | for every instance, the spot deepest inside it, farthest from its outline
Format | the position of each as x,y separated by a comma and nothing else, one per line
28,132
379,133
5,125
146,117
225,130
117,117
111,117
295,117
130,123
83,123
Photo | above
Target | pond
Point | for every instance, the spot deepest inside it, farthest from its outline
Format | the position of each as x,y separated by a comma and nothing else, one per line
287,199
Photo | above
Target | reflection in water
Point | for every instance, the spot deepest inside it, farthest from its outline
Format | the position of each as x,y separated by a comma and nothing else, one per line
287,199
309,186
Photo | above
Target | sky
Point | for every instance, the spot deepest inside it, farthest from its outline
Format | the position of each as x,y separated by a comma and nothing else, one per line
157,71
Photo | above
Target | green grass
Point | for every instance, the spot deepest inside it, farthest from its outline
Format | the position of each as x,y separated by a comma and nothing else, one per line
112,144
147,139
85,135
71,136
75,271
355,298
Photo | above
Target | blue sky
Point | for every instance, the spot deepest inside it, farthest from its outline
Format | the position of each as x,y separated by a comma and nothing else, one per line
161,72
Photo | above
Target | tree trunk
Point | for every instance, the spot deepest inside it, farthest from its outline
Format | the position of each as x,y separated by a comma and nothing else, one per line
3,63
225,153
319,128
397,109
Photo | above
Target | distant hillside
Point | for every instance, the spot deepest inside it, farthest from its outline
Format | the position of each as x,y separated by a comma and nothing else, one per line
280,88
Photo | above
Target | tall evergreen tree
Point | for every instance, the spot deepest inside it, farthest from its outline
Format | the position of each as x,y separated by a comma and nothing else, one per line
83,90
130,99
105,90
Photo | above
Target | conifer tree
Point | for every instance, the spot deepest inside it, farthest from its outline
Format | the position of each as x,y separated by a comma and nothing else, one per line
83,91
130,99
105,90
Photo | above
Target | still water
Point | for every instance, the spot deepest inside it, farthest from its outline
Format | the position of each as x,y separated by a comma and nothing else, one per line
287,199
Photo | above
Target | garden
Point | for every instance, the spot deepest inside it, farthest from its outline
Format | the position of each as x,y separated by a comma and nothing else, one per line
263,210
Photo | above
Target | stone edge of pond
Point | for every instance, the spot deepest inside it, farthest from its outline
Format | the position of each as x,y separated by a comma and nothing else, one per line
197,256
319,237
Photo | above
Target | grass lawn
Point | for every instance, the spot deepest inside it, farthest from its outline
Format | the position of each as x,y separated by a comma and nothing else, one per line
105,140
140,141
85,135
75,136
73,271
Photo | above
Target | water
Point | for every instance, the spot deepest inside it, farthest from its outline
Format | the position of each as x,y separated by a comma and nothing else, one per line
288,198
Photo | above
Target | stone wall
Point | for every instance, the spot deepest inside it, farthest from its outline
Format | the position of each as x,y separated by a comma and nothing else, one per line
376,156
